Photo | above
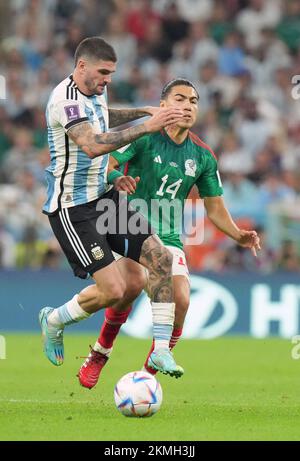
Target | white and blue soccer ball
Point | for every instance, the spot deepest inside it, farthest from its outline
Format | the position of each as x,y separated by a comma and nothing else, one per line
138,394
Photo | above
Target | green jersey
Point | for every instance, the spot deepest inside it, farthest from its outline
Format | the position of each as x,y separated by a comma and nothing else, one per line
168,171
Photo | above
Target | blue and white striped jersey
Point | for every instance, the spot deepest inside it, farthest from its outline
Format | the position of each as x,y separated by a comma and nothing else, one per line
72,177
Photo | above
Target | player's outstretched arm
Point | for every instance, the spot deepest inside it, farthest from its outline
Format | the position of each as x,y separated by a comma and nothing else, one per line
221,218
96,144
120,116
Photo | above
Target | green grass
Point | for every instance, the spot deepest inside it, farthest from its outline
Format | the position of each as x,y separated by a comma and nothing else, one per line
233,389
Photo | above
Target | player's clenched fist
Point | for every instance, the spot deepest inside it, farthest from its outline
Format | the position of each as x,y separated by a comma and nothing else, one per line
163,117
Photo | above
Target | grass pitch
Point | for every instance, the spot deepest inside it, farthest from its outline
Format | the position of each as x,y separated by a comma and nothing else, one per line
233,389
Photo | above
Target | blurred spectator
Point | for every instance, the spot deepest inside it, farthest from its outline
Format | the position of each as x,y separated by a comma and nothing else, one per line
233,158
182,62
241,195
205,48
93,16
4,19
59,64
21,154
124,45
259,15
6,135
75,33
289,259
289,27
174,27
231,57
7,248
126,90
220,25
291,157
210,129
253,129
272,190
157,46
191,11
140,17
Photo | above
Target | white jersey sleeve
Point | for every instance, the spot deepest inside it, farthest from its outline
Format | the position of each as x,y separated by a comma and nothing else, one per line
68,113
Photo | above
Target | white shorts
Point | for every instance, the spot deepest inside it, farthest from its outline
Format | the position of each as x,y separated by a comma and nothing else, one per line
179,266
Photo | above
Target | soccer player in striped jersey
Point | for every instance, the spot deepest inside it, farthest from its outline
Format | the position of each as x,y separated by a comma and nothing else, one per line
78,119
165,166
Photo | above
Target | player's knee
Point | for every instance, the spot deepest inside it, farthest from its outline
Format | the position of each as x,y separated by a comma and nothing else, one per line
118,292
116,295
114,292
136,286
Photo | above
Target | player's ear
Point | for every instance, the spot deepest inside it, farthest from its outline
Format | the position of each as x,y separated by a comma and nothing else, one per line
81,65
162,103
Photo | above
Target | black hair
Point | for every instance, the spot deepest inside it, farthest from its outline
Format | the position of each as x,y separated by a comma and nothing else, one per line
95,48
175,82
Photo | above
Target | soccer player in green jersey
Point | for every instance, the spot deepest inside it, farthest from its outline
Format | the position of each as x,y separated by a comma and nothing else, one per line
161,168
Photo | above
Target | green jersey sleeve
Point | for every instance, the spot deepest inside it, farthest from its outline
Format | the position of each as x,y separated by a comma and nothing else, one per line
209,182
124,154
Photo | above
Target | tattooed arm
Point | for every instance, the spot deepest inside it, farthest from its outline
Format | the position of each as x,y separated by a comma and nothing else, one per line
120,116
96,144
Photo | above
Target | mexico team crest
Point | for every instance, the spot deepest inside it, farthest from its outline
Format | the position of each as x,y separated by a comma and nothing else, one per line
97,253
190,167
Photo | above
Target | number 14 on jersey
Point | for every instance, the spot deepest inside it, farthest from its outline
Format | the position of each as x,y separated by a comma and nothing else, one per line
171,189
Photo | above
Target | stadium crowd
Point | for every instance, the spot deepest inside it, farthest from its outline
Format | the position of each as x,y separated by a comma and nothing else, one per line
241,55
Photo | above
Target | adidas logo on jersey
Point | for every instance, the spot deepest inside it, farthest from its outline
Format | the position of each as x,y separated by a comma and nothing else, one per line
157,159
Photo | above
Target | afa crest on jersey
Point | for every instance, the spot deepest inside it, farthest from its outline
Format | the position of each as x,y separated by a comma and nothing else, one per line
190,167
97,253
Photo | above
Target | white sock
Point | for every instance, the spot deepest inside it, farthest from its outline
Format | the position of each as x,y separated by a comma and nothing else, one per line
68,313
163,315
103,350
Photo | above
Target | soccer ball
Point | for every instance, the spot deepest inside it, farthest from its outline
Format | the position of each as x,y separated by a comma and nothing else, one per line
138,394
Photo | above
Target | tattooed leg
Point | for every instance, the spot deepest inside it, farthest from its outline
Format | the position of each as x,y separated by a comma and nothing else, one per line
158,260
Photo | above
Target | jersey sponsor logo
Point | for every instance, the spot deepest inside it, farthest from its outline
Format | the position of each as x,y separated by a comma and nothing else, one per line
173,164
97,252
190,167
72,112
157,159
